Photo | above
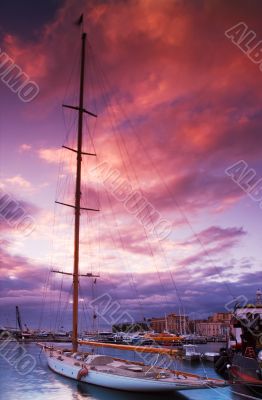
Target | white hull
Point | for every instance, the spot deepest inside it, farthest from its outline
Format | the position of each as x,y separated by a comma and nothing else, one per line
190,353
114,381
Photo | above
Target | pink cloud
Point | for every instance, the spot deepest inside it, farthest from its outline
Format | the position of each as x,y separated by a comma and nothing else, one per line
188,104
24,147
19,181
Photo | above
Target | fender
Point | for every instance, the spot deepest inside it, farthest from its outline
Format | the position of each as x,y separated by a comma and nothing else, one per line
81,373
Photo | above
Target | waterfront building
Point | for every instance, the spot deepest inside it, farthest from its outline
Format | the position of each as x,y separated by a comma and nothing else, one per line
216,325
172,323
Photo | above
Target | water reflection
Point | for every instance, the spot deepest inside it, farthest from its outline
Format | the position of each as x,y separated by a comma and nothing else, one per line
109,394
71,390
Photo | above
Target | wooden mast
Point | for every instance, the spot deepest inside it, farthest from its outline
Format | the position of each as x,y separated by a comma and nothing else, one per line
78,198
77,205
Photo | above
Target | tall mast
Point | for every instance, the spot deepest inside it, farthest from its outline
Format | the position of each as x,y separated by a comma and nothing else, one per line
78,198
77,205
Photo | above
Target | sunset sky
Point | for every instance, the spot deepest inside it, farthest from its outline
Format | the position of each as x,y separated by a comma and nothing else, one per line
178,103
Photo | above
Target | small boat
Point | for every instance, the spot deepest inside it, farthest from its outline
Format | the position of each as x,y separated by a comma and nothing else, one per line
190,353
194,339
164,339
142,341
61,333
103,370
43,334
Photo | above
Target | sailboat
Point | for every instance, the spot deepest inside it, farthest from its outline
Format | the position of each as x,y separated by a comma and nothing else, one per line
104,370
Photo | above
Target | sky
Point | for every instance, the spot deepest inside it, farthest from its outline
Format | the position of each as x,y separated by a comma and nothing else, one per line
176,86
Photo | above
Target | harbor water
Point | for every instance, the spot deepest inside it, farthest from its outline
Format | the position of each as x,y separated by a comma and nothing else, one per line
34,381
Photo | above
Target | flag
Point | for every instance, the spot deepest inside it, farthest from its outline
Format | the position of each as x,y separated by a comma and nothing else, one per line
79,21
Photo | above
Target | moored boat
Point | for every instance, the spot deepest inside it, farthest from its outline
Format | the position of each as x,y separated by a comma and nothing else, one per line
124,375
190,353
242,360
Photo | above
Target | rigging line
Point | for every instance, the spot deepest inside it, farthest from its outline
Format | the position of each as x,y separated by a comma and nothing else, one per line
122,260
171,194
147,239
68,140
202,362
119,235
55,217
54,214
99,230
90,134
173,282
63,192
151,218
92,81
129,272
196,235
84,309
72,116
44,296
80,317
59,302
66,305
65,178
94,316
75,66
93,297
49,302
84,306
125,167
132,277
168,267
76,60
103,262
166,186
93,321
123,143
52,299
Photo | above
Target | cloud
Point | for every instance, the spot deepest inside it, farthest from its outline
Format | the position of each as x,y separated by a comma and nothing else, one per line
19,274
50,155
17,216
213,241
146,294
24,147
216,234
188,110
18,180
